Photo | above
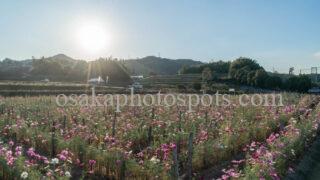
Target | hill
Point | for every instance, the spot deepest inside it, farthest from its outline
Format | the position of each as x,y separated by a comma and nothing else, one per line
63,68
14,70
156,65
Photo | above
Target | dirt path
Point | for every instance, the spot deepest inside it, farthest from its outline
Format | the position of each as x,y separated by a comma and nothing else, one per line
309,166
315,175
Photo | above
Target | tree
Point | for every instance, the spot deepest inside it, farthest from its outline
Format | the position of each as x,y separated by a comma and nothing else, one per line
260,78
183,70
181,87
243,63
196,86
206,74
250,78
243,70
274,82
220,67
301,83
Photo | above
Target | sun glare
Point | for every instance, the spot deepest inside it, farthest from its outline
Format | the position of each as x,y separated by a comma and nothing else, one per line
93,37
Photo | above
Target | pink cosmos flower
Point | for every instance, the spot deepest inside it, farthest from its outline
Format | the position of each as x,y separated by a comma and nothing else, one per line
91,164
271,138
11,143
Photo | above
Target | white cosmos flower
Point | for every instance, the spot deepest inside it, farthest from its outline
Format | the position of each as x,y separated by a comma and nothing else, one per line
54,161
67,173
24,175
154,160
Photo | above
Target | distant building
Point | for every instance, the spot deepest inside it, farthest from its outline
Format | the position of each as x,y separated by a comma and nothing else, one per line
45,80
136,82
137,77
315,90
136,85
96,81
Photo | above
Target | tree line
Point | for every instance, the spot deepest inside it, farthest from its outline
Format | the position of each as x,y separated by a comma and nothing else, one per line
246,71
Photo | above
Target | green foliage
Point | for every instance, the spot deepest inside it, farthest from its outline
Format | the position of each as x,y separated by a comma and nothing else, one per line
156,65
260,78
247,71
243,64
301,83
181,87
274,82
196,86
219,67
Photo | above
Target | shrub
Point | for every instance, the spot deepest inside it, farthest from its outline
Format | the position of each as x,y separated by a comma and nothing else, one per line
196,86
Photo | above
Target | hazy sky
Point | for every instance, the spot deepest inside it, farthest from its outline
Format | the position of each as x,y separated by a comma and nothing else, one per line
277,33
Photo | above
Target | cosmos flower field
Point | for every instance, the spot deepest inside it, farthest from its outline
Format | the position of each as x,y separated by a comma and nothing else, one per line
41,140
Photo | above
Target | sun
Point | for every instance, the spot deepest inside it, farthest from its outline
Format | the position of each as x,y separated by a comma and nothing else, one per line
93,37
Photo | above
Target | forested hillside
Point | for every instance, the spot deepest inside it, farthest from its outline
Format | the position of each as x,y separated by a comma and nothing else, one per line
63,68
155,65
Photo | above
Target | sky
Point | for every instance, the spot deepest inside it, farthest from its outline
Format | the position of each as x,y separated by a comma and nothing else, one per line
277,33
